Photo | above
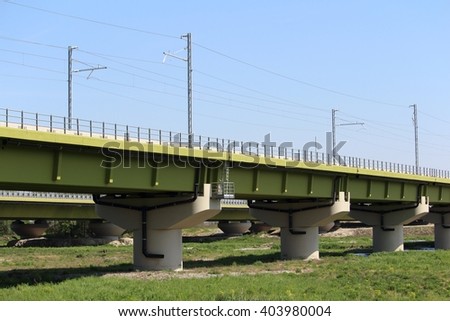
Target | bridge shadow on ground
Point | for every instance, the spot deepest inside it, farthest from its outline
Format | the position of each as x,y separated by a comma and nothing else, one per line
414,245
12,278
419,245
240,260
207,238
17,277
251,259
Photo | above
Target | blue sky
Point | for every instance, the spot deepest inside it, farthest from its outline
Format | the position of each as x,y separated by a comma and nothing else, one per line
260,67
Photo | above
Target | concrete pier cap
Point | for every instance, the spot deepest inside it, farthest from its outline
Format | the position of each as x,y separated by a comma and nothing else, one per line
299,223
157,229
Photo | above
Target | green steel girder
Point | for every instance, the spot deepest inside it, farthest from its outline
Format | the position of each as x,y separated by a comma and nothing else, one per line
281,183
68,169
51,211
376,190
44,161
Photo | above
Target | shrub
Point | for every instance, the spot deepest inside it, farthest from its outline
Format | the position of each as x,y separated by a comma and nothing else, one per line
68,229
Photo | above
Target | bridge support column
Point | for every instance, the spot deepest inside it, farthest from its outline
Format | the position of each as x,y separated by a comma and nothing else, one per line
162,250
387,238
299,223
157,223
441,237
301,245
441,219
387,222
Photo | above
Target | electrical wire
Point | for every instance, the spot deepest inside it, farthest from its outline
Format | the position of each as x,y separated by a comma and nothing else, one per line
277,74
31,66
91,20
197,85
286,101
234,120
259,106
32,42
302,82
205,100
32,78
103,55
106,56
136,87
434,117
31,54
129,97
140,76
207,94
395,126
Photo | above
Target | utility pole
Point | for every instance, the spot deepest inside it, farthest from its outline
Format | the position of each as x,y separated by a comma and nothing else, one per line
70,71
333,129
189,77
69,81
416,136
189,81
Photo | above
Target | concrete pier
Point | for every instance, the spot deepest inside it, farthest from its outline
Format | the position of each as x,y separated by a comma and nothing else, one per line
440,216
387,222
164,250
299,223
388,238
157,228
301,245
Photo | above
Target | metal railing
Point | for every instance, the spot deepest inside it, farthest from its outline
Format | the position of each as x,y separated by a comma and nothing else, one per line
81,127
46,195
233,202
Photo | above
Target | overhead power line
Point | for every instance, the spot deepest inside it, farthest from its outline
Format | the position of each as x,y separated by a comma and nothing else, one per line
32,42
31,54
277,74
30,66
32,78
282,115
273,100
105,55
286,101
109,24
135,67
274,73
434,117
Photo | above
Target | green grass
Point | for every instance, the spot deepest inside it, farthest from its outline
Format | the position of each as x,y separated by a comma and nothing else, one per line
239,268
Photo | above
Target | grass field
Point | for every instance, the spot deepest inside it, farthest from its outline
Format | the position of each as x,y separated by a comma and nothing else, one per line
236,268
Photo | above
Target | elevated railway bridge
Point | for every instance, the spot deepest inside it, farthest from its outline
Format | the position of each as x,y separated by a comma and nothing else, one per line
152,183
